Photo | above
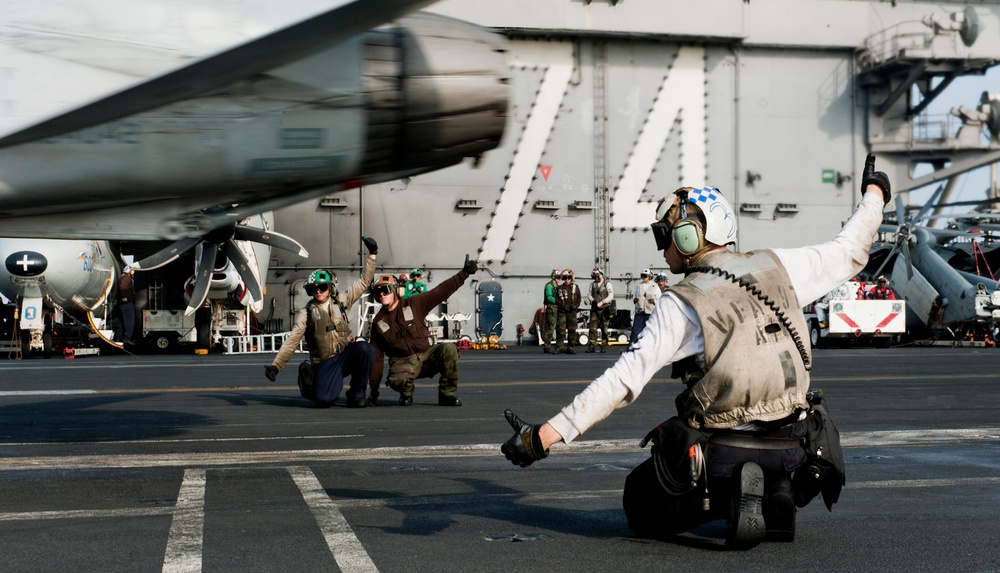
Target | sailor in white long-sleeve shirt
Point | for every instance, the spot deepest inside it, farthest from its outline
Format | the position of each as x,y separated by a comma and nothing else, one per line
755,373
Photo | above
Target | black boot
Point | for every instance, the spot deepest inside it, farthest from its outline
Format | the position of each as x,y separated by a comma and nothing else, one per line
357,402
570,350
746,526
406,400
590,349
448,400
779,510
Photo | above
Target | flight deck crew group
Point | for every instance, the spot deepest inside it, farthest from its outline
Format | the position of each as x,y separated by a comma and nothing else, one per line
749,443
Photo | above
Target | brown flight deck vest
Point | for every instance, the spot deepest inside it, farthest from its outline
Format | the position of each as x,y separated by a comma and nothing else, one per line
753,368
328,330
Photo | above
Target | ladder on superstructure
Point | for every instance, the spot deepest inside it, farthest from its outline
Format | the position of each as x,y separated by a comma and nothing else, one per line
601,257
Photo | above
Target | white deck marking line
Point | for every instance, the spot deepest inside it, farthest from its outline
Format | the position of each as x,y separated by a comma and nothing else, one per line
86,514
525,498
346,548
45,392
187,528
186,440
220,459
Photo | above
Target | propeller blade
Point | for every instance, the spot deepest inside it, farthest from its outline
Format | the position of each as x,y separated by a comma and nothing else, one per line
167,255
239,260
909,262
270,238
886,259
202,276
900,210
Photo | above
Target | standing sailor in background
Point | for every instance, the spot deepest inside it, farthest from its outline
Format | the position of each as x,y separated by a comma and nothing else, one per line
601,297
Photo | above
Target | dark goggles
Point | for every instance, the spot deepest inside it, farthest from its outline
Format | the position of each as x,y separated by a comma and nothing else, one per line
313,289
567,277
663,235
383,289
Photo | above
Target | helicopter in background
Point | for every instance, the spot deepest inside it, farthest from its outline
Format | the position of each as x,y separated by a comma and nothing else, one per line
944,275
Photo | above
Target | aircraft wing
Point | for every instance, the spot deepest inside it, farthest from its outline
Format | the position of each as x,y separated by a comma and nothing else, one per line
348,19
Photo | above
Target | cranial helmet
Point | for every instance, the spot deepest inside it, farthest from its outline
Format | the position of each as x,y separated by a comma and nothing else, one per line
556,273
594,274
416,273
319,276
646,273
661,277
694,217
384,281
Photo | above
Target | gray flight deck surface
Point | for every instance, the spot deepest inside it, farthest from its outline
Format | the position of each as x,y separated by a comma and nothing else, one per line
190,463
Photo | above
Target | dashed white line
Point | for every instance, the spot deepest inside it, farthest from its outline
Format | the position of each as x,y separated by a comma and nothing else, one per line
184,544
347,550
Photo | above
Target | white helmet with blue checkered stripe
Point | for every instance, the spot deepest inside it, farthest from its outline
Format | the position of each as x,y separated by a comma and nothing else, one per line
720,218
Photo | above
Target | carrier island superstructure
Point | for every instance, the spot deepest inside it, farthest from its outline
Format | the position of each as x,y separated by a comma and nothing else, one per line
616,103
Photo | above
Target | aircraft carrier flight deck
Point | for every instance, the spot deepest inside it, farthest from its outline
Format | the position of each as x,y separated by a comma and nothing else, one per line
199,463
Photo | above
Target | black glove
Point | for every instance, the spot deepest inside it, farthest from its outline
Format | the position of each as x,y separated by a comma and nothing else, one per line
370,244
271,372
524,447
869,176
471,266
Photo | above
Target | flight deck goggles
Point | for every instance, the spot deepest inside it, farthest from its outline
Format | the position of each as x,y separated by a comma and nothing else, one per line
315,288
383,290
662,234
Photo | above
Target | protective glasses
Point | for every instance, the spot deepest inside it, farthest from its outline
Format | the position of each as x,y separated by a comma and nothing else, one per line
313,289
566,277
662,232
662,235
382,290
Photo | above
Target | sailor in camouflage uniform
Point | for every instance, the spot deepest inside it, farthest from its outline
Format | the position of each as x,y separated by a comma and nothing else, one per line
399,331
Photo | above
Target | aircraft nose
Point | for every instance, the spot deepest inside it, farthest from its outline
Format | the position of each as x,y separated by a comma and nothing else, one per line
25,264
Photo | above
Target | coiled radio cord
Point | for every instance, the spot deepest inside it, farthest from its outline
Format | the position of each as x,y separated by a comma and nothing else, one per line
782,318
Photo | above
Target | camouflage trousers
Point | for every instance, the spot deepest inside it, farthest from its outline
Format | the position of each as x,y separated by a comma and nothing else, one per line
442,358
599,319
565,329
549,328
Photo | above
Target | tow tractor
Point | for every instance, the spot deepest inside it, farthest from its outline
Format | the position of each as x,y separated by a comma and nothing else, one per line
841,317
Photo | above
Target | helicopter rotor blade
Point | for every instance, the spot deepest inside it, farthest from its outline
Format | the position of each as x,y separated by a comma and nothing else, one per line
885,261
930,204
909,261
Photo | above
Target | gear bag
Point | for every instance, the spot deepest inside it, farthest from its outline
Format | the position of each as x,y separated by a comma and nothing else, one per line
824,470
677,455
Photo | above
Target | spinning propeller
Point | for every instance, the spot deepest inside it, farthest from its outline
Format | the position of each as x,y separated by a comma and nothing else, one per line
222,239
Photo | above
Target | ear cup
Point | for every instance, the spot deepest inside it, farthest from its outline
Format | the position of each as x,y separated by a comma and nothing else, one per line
688,237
